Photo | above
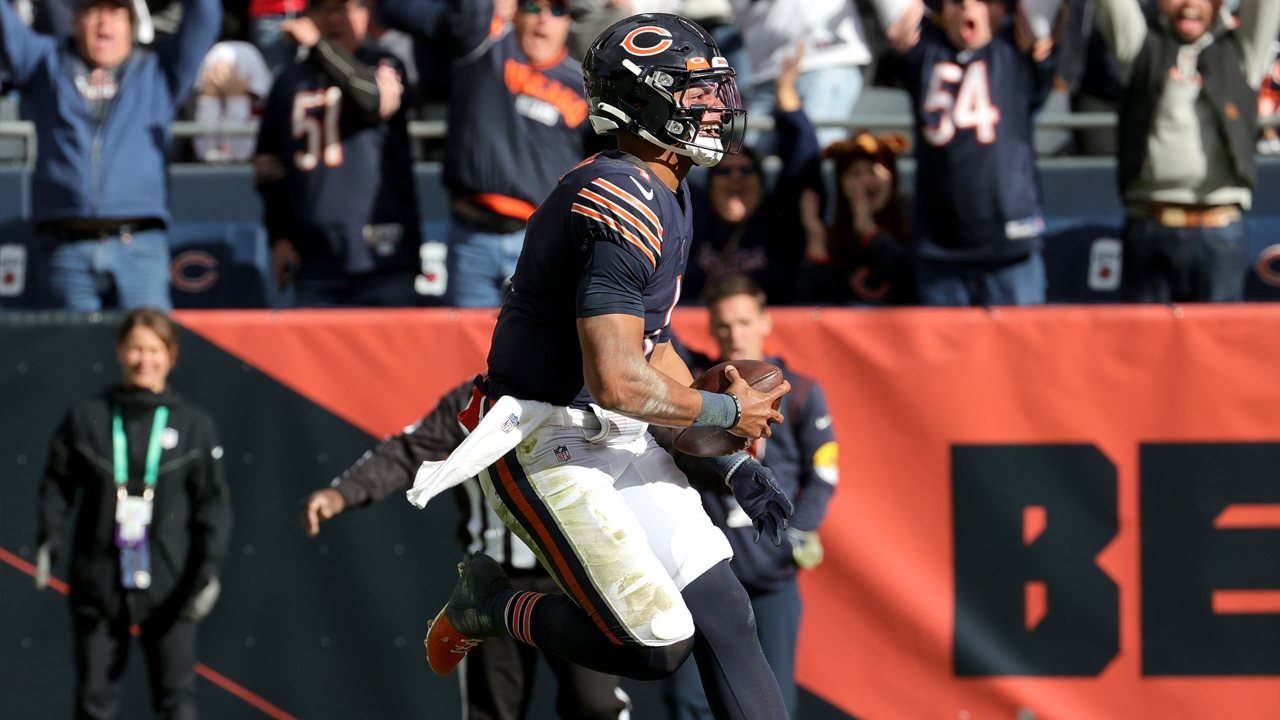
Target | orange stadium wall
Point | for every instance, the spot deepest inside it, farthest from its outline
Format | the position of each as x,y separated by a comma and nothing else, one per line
1055,513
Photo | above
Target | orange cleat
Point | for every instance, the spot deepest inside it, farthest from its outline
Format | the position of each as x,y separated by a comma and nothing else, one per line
445,646
481,586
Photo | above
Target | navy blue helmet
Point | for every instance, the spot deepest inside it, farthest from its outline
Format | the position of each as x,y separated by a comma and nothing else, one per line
663,79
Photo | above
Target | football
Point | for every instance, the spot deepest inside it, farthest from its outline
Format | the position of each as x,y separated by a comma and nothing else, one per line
713,442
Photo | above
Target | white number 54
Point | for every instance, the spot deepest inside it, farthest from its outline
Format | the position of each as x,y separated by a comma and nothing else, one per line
969,107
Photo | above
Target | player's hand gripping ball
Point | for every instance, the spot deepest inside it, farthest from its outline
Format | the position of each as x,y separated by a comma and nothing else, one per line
714,442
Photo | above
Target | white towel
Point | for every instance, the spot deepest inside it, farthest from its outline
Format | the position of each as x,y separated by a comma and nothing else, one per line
503,427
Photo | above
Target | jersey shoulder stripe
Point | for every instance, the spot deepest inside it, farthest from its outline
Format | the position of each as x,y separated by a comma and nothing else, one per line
609,221
623,216
632,200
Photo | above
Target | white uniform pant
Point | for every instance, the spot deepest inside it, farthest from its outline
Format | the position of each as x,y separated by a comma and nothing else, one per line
612,519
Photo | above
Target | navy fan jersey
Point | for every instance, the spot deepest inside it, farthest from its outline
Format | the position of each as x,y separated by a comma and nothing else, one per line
515,126
353,208
610,239
977,193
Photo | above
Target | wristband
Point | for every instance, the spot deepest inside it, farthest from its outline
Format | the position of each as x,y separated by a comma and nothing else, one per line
727,465
719,410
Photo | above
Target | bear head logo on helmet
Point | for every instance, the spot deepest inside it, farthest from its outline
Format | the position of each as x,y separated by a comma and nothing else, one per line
662,78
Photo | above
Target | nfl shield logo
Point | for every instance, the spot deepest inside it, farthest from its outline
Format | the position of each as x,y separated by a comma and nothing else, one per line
562,453
510,423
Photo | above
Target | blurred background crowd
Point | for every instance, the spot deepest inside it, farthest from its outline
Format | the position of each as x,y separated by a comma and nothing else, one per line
398,147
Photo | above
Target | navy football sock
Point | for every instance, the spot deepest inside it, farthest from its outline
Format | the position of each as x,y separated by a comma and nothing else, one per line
737,678
557,625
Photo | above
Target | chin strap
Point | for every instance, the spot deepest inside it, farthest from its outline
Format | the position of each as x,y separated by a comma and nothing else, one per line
704,157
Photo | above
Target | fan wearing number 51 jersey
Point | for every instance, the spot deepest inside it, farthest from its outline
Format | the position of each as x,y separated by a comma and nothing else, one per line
333,166
976,74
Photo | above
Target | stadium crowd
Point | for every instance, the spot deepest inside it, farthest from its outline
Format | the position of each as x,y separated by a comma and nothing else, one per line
813,210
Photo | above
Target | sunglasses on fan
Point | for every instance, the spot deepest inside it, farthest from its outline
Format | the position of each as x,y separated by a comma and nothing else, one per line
533,8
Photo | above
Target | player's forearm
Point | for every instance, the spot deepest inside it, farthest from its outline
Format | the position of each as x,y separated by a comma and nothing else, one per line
640,391
620,379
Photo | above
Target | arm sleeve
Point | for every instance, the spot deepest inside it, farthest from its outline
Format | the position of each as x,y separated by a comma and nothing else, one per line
617,217
1042,77
353,77
23,47
612,283
797,145
182,54
391,465
1259,25
57,488
465,24
1124,28
270,175
211,503
819,469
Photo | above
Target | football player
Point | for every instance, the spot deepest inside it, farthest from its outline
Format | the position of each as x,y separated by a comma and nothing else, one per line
585,331
977,75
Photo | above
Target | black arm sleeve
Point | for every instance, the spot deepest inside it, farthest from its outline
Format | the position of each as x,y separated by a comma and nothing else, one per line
613,282
353,77
211,503
391,466
270,175
57,490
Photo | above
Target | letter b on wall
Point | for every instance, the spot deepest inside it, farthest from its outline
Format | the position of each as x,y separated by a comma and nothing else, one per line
1029,521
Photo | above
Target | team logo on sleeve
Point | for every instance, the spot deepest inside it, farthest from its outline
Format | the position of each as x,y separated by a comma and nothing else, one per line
664,42
562,453
826,462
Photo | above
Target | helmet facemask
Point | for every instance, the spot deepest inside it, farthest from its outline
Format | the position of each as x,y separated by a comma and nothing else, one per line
697,113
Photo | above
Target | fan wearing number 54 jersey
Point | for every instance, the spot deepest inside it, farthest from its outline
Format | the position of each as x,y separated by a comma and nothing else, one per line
976,74
334,169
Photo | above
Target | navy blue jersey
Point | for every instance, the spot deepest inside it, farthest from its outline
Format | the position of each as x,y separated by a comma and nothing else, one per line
977,193
350,192
514,126
610,239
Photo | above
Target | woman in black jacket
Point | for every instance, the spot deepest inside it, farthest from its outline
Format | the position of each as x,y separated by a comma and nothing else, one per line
152,529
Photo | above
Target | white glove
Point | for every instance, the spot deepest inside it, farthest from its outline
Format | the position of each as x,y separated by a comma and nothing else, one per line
44,563
806,548
202,602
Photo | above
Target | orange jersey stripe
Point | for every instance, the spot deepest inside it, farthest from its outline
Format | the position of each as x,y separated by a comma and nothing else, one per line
622,212
584,210
631,199
574,588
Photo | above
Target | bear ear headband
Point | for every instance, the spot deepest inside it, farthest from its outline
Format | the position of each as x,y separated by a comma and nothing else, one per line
865,142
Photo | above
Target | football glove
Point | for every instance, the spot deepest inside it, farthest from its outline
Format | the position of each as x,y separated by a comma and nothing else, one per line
760,497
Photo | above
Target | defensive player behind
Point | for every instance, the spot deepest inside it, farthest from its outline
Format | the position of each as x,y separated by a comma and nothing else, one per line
517,122
580,362
976,78
333,166
498,682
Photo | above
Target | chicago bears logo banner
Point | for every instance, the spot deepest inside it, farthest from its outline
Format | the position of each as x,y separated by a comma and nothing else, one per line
1050,513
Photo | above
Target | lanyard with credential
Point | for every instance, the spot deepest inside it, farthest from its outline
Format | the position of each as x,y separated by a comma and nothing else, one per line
120,448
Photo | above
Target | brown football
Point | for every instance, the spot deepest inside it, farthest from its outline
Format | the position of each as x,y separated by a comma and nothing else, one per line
713,442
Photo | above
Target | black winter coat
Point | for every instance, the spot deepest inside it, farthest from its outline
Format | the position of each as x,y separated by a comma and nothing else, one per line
191,520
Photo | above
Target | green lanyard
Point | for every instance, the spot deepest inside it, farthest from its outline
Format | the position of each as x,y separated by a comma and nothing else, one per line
120,447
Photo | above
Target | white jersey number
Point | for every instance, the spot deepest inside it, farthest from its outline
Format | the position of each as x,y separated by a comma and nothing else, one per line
323,137
969,107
